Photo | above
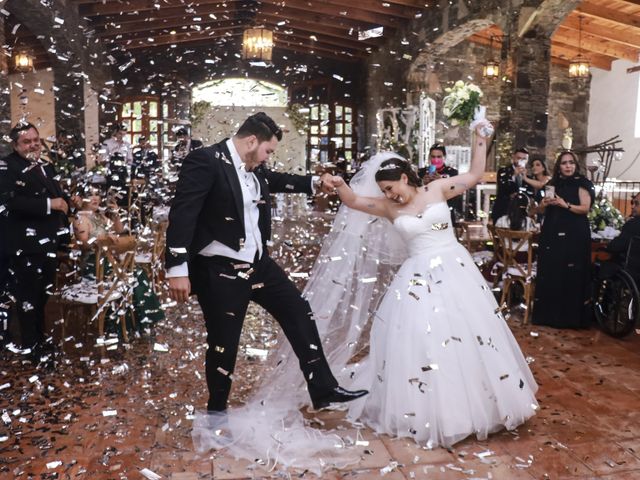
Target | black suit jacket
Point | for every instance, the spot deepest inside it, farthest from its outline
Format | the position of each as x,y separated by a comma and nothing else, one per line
208,203
505,188
23,194
619,245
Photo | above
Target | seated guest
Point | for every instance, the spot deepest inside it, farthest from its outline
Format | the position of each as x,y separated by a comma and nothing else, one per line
619,246
517,218
93,222
439,169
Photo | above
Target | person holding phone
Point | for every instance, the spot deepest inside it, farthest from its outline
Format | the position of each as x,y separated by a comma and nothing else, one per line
509,182
439,169
563,285
537,179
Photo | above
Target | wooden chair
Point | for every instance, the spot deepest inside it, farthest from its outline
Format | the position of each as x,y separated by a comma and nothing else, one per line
110,289
510,243
150,257
473,234
498,269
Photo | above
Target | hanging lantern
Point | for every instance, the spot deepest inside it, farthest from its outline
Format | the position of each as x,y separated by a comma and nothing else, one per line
257,44
491,68
23,62
579,66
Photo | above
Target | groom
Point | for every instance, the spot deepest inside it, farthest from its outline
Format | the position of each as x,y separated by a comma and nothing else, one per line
219,226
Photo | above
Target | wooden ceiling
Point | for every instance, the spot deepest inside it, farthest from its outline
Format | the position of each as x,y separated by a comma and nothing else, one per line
610,31
323,28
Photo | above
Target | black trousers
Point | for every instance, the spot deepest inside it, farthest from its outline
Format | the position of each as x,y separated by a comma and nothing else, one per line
224,297
32,283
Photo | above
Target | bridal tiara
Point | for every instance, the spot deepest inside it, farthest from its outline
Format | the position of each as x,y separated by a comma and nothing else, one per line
391,166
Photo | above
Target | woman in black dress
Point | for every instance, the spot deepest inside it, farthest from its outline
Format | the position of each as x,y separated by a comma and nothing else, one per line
562,294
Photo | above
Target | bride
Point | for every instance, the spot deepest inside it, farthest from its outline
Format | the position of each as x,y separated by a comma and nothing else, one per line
442,362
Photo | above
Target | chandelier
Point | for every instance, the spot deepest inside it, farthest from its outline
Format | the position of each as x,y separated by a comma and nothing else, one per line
23,62
579,66
257,44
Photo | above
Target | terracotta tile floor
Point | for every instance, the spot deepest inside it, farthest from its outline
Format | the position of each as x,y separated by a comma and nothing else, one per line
109,414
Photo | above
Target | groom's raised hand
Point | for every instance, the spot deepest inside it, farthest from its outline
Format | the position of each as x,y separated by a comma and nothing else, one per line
179,288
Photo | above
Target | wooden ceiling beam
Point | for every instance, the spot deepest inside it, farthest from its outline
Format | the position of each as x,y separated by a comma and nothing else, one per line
625,36
378,7
325,8
310,51
295,36
321,35
569,52
159,31
592,44
316,46
155,24
145,6
309,15
607,14
178,38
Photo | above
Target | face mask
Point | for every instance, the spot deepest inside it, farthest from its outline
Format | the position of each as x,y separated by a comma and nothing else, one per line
437,162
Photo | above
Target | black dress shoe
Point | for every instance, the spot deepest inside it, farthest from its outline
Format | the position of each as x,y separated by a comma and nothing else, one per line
337,395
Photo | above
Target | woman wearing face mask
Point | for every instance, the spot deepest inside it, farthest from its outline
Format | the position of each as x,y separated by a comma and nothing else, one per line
439,169
563,284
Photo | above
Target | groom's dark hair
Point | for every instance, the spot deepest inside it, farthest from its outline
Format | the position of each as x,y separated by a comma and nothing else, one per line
262,126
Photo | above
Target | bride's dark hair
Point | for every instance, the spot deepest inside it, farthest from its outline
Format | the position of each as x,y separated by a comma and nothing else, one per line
391,170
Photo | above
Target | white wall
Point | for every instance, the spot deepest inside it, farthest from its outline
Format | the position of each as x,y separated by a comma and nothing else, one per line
32,100
612,111
222,122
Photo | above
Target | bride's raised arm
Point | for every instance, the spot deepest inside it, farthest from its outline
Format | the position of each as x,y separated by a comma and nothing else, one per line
454,186
370,205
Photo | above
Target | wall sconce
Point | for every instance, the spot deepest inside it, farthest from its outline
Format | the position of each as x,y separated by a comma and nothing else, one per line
257,44
23,62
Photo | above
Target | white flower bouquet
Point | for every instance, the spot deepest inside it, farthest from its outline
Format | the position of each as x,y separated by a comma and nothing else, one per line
462,106
461,103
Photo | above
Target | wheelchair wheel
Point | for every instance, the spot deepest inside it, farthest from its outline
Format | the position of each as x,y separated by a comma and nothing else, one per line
616,304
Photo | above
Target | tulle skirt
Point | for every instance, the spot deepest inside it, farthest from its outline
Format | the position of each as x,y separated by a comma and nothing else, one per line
443,363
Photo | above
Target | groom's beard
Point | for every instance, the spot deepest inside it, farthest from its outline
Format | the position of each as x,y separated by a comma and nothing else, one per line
251,162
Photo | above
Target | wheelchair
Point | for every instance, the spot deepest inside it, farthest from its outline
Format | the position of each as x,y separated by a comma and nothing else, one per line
616,300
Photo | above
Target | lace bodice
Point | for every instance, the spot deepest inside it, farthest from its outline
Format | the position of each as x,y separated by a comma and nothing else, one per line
432,228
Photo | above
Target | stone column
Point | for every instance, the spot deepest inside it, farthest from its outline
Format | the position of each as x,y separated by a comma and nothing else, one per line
5,96
524,101
69,100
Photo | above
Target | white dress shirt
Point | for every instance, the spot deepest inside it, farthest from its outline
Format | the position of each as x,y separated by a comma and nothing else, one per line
112,145
252,237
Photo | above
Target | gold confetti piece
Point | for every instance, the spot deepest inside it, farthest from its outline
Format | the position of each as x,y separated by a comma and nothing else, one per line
502,377
439,226
414,295
223,371
219,349
433,366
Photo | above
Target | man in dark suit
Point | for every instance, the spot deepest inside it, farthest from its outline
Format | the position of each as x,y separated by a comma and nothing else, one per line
36,227
626,246
184,145
219,229
509,182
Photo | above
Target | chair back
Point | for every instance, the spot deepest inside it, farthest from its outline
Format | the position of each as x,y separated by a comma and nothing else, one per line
509,243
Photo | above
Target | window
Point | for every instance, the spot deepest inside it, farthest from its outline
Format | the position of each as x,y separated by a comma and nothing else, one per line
241,92
141,117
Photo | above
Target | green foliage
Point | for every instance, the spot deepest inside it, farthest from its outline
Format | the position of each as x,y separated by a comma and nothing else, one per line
199,110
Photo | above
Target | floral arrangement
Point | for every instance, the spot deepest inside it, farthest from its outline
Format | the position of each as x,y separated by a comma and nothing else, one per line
461,102
603,214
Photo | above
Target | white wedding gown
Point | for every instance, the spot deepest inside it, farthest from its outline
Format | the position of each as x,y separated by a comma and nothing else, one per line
443,363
